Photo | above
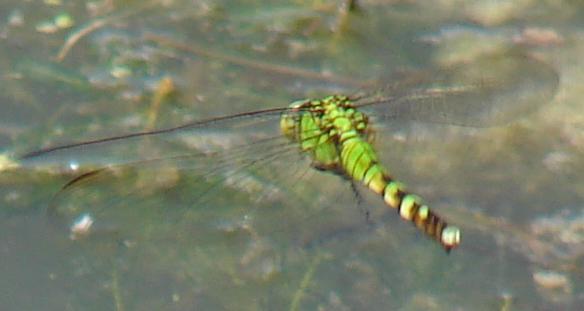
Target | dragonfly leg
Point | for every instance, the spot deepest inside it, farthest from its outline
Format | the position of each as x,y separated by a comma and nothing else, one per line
359,201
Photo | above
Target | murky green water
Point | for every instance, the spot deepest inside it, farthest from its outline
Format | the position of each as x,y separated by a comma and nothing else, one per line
81,70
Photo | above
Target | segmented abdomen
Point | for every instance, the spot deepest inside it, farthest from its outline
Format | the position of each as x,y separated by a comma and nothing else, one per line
360,162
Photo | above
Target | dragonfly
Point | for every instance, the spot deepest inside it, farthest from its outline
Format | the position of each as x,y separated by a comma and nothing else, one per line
311,145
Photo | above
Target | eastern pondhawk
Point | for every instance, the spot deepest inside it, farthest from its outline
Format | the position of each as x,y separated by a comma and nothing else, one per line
270,154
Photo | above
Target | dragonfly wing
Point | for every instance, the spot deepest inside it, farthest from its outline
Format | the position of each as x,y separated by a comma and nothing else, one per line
490,91
186,141
273,195
228,175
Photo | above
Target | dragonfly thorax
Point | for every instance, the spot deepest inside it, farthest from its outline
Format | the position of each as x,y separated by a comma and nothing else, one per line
321,126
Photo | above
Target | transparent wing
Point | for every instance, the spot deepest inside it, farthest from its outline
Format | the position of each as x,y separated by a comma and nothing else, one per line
490,91
189,141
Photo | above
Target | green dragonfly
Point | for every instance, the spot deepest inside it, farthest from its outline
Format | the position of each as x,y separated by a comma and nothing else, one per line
269,152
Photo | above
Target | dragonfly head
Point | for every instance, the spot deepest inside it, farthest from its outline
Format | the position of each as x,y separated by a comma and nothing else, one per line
291,118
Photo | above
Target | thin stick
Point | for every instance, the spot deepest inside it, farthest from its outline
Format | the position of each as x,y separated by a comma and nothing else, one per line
92,26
